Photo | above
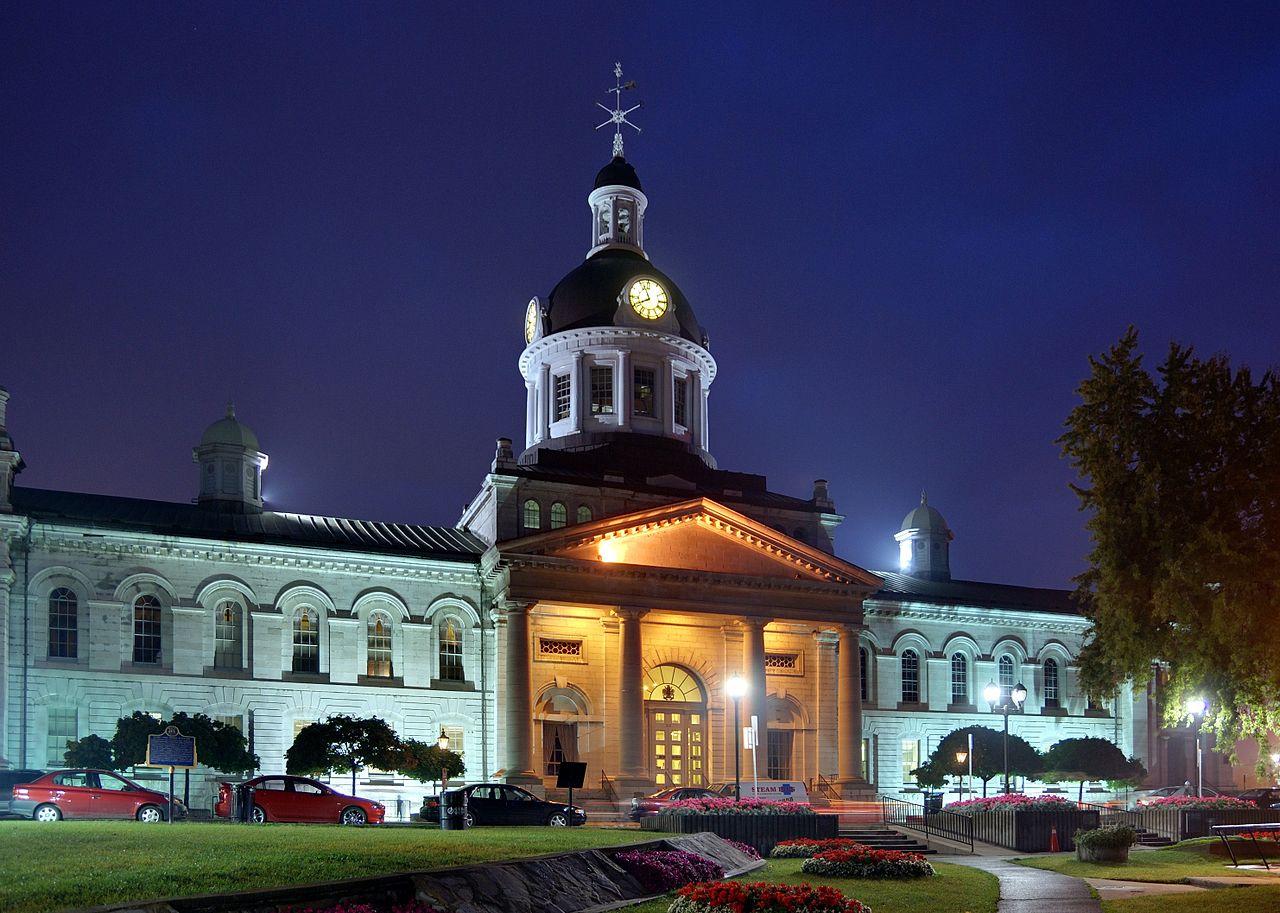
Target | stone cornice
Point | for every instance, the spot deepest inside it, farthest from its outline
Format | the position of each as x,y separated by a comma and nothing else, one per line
968,616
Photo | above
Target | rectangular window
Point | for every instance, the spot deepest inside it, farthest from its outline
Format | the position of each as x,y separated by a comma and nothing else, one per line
548,646
62,729
226,636
601,390
780,754
564,396
959,679
457,739
910,677
146,630
680,401
867,773
910,760
642,391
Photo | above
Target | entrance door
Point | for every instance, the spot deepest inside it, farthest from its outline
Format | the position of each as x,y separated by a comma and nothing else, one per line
677,725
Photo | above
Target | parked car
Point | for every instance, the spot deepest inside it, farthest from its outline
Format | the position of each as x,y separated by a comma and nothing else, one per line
1142,798
773,790
299,800
500,804
648,806
9,779
90,794
1262,796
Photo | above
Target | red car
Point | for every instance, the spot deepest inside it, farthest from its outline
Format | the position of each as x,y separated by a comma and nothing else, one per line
90,794
300,799
648,806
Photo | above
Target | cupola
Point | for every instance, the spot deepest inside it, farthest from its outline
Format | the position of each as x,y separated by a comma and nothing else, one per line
231,466
924,543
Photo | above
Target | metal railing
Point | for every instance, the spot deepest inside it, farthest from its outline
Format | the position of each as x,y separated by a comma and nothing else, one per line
826,788
606,787
929,821
1110,815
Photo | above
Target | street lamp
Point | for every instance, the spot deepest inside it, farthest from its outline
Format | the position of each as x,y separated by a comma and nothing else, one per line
1196,707
961,757
736,686
1017,697
443,744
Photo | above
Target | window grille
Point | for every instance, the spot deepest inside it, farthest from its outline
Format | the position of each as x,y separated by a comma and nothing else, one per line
642,398
62,729
531,517
63,624
379,648
959,678
306,641
782,662
146,630
910,677
564,396
1051,683
584,514
451,652
227,636
553,647
601,390
559,516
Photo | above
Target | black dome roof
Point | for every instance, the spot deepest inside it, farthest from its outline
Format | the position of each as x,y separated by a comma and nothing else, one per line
618,172
588,296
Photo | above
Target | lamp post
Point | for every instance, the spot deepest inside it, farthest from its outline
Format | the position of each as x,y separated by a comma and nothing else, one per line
1196,707
736,687
961,757
1017,697
443,744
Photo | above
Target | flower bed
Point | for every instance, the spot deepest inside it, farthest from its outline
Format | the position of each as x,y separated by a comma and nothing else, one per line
661,871
867,862
1010,803
803,847
762,897
744,847
1196,802
735,807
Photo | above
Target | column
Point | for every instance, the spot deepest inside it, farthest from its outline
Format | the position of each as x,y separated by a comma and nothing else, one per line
633,772
7,577
849,713
756,702
622,390
519,698
544,403
579,394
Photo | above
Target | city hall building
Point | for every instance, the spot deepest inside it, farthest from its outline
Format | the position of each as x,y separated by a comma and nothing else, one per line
591,603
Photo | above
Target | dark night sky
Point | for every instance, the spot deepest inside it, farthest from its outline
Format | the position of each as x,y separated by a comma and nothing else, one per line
905,227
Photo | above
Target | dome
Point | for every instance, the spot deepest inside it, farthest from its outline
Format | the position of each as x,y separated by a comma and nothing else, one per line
925,518
588,296
618,172
228,430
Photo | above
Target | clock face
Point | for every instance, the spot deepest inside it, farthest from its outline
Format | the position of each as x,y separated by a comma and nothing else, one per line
648,298
531,320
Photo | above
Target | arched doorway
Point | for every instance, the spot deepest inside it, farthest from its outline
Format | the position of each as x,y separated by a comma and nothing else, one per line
676,712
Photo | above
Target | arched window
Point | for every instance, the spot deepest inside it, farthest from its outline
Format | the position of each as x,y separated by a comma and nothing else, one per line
64,624
910,677
559,515
959,678
1005,667
1051,683
306,640
379,645
146,630
451,652
531,517
228,635
864,675
584,514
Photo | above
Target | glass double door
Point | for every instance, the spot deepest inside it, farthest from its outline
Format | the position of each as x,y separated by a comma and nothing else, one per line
677,744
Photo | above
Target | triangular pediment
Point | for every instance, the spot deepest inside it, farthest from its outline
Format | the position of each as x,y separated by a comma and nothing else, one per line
696,535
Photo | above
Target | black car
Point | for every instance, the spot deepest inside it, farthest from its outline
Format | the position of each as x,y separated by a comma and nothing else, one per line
500,804
1262,796
9,779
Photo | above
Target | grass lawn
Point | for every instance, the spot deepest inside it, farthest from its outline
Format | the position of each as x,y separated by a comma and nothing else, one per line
45,867
1224,900
957,889
1173,864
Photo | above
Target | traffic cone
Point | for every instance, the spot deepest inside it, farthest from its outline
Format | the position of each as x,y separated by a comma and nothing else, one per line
1053,839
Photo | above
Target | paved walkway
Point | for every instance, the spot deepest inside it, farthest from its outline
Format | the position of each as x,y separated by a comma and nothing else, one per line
1027,890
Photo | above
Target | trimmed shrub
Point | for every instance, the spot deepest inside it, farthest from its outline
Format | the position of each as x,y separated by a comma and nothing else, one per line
1194,802
865,862
762,897
1109,836
661,871
735,807
1010,803
804,847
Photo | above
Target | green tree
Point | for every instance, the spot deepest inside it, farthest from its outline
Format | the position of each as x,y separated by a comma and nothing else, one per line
219,746
988,755
426,761
91,751
1180,478
1081,760
129,744
343,743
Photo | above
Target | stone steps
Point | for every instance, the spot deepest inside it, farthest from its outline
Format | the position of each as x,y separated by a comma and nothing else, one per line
884,838
1152,839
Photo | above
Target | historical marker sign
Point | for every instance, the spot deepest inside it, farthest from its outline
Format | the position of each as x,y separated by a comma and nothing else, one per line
171,749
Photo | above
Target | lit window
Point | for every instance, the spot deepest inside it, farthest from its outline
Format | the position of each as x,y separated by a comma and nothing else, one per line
959,679
680,401
451,652
379,645
559,515
531,517
644,380
227,636
306,640
564,396
910,677
62,729
1051,683
146,630
910,759
1005,667
584,514
601,390
63,624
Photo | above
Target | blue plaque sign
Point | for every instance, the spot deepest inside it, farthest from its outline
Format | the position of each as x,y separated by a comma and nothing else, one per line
172,749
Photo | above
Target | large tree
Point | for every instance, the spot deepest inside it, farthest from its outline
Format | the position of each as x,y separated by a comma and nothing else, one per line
988,756
1082,760
1180,476
427,761
343,743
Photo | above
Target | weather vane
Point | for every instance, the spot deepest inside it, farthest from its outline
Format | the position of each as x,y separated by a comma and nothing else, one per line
616,114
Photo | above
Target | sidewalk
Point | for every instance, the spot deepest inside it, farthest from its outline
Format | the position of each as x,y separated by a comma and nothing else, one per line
1027,890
